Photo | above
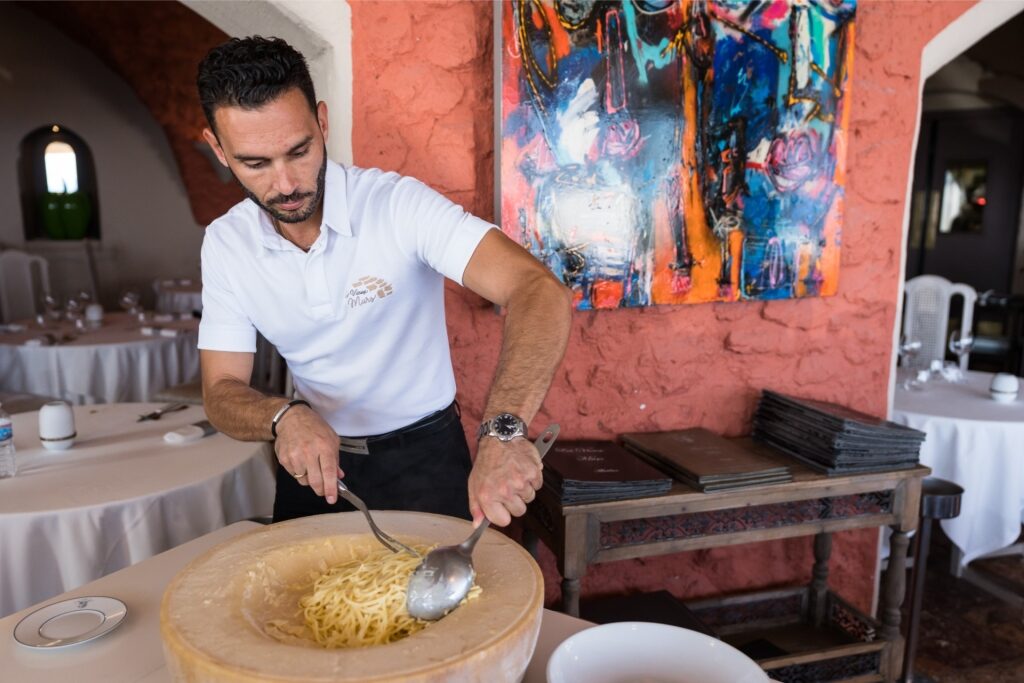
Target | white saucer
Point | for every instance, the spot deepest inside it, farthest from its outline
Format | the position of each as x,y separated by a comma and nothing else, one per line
70,622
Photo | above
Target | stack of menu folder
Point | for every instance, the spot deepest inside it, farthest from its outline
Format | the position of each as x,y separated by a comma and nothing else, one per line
660,607
706,461
832,439
597,471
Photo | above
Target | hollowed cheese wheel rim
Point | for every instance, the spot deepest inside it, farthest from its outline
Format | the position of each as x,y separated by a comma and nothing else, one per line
213,611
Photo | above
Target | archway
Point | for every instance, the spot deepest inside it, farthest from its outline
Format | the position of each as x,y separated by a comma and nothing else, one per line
963,32
322,31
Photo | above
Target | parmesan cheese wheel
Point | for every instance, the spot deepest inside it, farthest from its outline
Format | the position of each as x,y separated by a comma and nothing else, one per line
215,615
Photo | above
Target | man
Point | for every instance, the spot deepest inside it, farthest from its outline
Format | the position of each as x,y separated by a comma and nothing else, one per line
342,269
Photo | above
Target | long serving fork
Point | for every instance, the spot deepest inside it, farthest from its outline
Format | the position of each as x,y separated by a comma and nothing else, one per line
392,544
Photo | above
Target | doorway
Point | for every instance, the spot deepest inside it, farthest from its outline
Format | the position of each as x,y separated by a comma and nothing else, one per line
968,179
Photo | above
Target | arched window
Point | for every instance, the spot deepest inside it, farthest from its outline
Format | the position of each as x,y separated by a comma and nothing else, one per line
57,182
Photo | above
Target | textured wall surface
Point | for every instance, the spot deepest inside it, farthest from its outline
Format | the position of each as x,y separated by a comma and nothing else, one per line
423,106
156,47
423,77
145,213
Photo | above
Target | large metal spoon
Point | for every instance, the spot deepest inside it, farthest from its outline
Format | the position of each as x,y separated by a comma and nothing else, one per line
446,574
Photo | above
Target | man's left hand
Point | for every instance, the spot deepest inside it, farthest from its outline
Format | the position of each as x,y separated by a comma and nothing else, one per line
505,477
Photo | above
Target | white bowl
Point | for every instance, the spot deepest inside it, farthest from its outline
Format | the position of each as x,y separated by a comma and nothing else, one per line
633,651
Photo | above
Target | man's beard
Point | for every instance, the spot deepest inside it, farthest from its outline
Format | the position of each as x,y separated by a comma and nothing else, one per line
292,217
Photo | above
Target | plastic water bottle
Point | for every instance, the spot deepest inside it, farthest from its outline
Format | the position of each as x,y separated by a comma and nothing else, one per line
8,465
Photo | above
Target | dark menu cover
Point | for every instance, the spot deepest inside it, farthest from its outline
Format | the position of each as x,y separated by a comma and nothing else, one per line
707,459
838,417
833,439
660,607
596,471
598,461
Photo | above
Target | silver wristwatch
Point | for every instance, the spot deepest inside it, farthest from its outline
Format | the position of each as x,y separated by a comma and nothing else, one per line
503,426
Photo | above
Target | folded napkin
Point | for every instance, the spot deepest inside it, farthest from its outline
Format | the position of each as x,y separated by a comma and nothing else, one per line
190,433
157,331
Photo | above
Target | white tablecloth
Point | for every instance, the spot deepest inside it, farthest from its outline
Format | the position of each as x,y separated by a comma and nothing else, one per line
978,444
113,363
133,652
118,496
179,296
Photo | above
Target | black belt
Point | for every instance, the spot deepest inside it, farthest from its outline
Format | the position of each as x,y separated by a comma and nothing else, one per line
397,438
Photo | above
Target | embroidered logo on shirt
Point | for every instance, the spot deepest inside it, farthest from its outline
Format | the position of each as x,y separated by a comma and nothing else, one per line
366,290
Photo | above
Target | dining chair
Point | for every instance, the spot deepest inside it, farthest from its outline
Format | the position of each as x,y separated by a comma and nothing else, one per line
24,280
926,315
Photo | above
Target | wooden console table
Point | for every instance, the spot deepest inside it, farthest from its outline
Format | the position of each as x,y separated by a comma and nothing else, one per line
812,504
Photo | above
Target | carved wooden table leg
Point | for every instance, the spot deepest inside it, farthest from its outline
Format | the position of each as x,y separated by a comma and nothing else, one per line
574,561
571,597
892,598
819,577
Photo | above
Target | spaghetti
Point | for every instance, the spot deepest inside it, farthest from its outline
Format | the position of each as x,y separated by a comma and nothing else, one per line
362,602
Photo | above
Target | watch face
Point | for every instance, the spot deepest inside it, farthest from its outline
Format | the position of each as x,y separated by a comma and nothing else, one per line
506,425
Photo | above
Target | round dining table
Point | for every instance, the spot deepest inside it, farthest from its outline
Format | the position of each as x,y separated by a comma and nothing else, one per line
977,443
120,494
121,360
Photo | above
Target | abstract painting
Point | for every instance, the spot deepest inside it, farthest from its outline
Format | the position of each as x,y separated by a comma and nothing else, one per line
676,151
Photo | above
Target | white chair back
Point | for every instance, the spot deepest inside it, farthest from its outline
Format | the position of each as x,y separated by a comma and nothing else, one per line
24,280
926,316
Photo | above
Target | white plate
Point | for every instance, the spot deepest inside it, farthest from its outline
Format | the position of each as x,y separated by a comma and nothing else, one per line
70,622
632,651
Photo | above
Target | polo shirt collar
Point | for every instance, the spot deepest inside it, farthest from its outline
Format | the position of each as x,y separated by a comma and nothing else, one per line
336,200
335,210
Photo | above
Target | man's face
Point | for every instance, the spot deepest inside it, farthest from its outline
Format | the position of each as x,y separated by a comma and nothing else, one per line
277,153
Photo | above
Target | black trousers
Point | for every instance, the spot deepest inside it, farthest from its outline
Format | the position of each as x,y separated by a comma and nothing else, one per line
423,467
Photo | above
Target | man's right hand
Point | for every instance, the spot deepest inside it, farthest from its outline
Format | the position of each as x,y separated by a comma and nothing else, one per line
307,448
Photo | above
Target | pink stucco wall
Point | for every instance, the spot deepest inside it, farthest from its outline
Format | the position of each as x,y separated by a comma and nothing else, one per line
423,78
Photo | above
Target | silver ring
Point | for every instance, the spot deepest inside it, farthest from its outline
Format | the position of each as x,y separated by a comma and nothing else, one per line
299,476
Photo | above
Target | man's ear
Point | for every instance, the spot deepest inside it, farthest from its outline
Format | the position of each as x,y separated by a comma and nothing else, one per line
321,118
214,144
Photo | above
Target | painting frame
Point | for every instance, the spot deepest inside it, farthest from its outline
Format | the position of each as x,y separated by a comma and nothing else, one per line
733,263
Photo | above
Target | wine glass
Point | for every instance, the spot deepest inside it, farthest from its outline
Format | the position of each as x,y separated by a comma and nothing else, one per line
960,344
52,308
908,350
74,312
129,301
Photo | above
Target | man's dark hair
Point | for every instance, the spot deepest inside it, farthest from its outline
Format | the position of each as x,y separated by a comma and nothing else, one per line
249,72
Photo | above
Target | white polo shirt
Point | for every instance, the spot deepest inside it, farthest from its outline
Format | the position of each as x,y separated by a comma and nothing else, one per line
360,317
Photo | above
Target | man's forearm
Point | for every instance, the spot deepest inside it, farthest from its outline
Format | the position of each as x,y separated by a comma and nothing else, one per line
240,411
535,336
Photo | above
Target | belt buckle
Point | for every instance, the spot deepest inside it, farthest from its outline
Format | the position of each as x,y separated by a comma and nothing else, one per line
357,446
